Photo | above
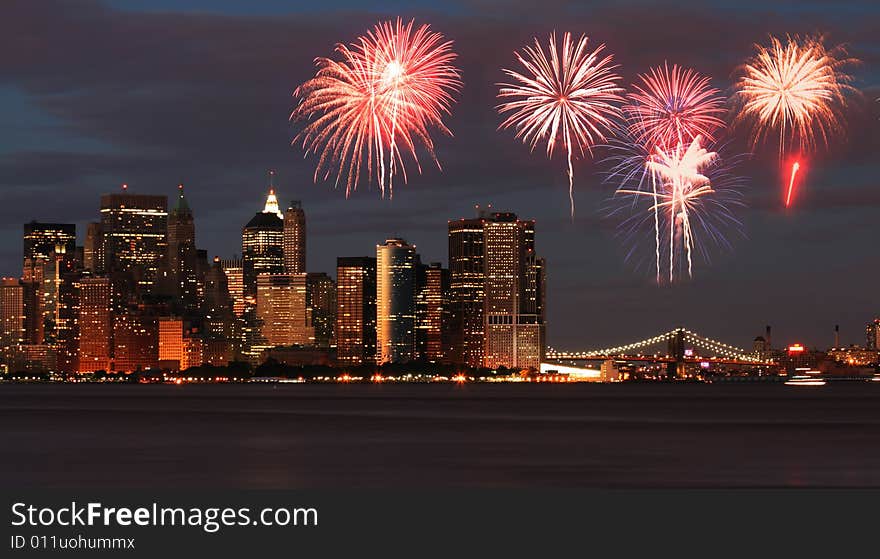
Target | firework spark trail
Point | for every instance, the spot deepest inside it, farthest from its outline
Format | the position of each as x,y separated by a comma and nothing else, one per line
797,87
377,104
672,106
569,95
794,170
692,193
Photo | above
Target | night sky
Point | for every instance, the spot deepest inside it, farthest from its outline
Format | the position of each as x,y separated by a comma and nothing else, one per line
158,92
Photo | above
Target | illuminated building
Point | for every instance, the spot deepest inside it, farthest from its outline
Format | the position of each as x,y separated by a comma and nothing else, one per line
11,317
49,285
32,358
322,302
183,256
498,281
135,340
295,239
262,253
217,306
855,356
235,283
134,237
513,309
95,324
171,349
608,371
179,347
93,257
49,256
759,346
262,246
42,239
193,352
797,357
217,352
432,323
355,310
872,334
33,274
283,311
66,333
395,301
467,282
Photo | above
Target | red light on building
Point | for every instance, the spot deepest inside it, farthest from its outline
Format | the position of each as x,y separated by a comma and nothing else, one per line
795,348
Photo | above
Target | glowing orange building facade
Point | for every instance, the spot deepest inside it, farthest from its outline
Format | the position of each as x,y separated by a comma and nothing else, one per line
95,324
355,310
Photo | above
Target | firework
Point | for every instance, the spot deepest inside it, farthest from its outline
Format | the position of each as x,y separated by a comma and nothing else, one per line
794,87
375,106
672,106
794,169
685,195
568,95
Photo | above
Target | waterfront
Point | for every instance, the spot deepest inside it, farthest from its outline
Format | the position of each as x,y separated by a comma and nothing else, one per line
437,435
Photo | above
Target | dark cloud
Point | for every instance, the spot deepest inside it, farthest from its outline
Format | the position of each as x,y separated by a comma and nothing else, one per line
203,98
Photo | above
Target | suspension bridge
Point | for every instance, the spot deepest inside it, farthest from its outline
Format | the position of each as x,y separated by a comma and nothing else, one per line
676,348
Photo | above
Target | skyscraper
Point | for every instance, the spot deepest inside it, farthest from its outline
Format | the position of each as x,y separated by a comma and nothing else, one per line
232,267
93,248
135,340
466,290
171,348
217,305
33,277
40,240
395,301
872,334
12,324
355,310
49,256
182,256
497,278
179,346
295,239
283,310
432,312
514,331
134,237
11,315
322,302
262,246
95,324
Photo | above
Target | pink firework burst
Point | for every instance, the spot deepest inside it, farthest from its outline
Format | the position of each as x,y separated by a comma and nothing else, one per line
673,106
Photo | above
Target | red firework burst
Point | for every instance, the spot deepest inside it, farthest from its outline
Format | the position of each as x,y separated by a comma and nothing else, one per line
378,103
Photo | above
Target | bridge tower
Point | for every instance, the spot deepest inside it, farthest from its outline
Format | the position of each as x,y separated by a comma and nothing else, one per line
676,368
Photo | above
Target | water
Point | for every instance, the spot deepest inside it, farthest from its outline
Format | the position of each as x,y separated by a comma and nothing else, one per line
475,435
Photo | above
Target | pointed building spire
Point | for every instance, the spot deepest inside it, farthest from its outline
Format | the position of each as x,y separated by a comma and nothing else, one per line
182,205
271,199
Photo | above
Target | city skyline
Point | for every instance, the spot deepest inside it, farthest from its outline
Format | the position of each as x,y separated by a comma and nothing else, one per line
139,295
819,251
294,307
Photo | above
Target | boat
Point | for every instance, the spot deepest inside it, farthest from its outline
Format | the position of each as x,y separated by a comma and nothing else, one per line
805,380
